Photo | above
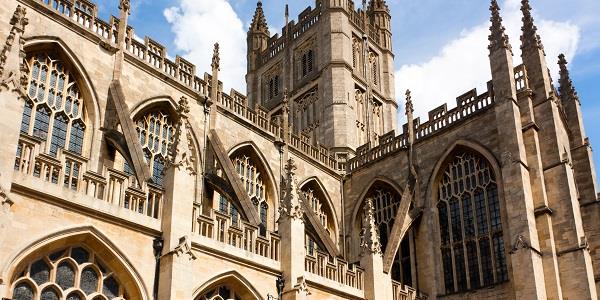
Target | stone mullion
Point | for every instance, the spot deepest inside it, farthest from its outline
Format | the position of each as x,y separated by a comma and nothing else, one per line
489,233
464,236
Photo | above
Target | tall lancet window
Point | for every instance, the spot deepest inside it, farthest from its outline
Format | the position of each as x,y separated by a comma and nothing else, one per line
53,110
472,246
252,179
156,132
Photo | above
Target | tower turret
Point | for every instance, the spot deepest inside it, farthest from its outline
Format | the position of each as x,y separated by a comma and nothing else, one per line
257,42
379,15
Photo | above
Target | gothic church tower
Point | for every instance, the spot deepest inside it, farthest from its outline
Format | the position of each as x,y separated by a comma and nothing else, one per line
336,64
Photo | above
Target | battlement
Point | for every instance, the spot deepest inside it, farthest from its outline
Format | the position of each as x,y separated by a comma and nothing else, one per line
311,16
468,105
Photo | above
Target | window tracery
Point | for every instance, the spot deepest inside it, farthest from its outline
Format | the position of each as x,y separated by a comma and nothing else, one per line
386,202
222,292
54,106
156,133
254,186
73,273
472,245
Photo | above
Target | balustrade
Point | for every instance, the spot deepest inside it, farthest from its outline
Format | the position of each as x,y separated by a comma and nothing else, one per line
320,264
70,171
238,233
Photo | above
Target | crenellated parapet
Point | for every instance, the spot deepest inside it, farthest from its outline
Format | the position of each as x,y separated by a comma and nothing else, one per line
468,105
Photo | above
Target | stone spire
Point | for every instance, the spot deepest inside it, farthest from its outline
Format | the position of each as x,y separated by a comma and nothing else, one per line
369,235
567,90
498,38
530,37
259,21
215,64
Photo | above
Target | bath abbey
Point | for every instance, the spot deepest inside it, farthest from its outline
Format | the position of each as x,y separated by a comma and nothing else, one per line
128,174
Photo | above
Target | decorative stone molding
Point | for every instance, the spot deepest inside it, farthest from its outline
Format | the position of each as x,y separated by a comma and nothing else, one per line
291,202
184,248
183,148
369,234
13,68
301,287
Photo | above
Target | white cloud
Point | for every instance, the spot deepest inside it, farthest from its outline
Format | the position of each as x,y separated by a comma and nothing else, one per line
198,24
463,63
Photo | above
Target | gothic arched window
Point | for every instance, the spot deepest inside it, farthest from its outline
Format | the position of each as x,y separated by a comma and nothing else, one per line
73,273
55,105
222,292
472,246
254,185
156,132
385,203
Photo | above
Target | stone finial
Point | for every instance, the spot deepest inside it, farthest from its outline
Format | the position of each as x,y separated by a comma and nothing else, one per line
291,204
259,21
379,5
13,68
216,60
125,6
409,104
183,107
498,38
183,146
567,89
530,39
369,235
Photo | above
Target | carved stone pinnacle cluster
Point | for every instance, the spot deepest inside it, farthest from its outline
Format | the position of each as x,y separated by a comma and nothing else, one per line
409,103
567,89
259,21
530,39
216,60
369,236
498,38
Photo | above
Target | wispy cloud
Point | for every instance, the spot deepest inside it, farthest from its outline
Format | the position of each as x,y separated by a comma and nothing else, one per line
463,63
198,24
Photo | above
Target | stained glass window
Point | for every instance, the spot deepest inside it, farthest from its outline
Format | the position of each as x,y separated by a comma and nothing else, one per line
49,80
470,225
56,274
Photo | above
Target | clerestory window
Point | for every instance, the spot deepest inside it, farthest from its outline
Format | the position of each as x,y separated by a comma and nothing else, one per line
53,110
156,133
254,186
472,246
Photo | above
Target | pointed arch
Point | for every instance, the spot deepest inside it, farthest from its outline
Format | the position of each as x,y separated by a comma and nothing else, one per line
232,279
315,181
86,236
466,200
269,184
263,160
373,183
447,156
85,85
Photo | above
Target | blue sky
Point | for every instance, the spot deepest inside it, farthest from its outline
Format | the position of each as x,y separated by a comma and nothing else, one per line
432,39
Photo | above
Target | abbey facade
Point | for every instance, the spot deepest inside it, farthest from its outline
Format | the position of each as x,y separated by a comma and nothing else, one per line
128,175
